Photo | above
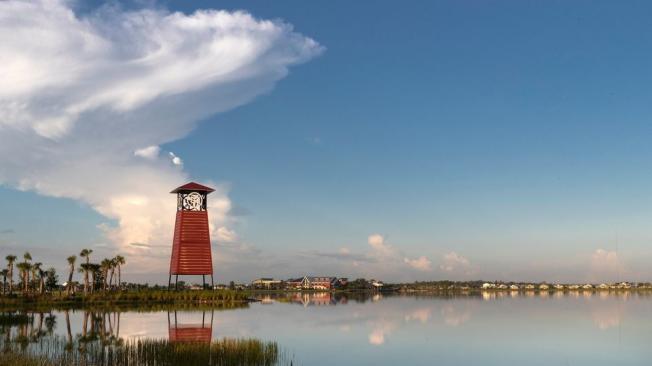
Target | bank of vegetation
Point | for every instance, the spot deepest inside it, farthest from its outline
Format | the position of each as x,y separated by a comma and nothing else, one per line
57,351
527,287
26,283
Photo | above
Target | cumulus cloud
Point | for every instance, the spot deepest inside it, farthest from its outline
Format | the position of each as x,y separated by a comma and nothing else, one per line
86,101
224,234
377,243
422,263
453,262
606,265
150,152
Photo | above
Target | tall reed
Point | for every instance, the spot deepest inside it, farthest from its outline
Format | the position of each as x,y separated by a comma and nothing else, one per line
57,351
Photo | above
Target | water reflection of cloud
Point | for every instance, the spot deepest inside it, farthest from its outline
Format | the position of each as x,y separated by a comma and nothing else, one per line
377,337
454,317
605,313
422,315
380,330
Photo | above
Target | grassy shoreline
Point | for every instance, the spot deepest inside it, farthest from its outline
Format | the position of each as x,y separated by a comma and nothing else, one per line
139,297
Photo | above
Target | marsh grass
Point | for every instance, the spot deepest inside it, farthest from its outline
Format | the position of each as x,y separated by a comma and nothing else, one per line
56,351
140,297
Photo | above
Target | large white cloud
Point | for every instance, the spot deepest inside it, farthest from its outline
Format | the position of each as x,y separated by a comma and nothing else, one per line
86,101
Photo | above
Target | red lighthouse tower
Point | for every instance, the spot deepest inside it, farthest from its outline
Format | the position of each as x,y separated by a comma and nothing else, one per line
191,247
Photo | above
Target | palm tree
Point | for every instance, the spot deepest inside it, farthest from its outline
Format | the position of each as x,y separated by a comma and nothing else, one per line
120,261
85,268
71,263
86,253
37,270
4,272
24,268
10,266
114,264
95,271
105,267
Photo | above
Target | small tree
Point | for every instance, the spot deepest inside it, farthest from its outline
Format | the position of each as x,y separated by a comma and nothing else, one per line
52,280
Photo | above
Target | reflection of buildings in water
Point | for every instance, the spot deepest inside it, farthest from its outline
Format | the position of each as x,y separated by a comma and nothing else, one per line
266,300
488,295
191,332
317,299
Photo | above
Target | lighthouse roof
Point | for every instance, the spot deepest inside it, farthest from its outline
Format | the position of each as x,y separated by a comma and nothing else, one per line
194,187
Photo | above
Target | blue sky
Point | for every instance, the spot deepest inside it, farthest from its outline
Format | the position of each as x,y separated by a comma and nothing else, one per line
513,134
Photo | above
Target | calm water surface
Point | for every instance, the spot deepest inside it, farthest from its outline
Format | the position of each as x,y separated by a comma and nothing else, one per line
320,329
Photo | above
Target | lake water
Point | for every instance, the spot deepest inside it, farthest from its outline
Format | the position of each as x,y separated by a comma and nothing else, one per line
321,329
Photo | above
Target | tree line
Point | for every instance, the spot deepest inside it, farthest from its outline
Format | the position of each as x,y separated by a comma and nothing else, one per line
33,279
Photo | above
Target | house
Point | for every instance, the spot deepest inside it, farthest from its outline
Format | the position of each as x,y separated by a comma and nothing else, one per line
558,286
486,286
294,283
573,287
544,287
529,287
624,285
514,287
266,283
588,286
313,283
377,284
503,286
603,286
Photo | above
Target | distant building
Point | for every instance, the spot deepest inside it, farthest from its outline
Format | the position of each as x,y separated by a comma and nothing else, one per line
543,286
266,283
588,286
514,287
377,284
603,286
558,287
487,285
314,283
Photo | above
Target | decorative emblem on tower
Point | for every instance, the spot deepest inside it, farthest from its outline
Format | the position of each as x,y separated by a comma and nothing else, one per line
191,246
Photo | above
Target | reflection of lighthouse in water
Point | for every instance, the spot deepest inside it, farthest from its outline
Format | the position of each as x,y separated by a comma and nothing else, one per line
190,332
